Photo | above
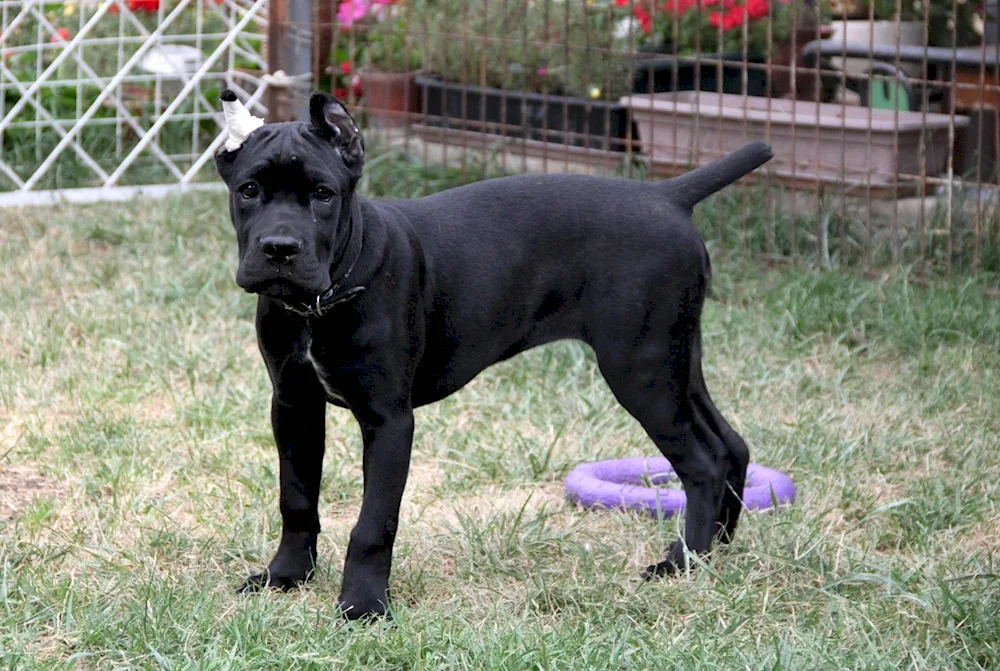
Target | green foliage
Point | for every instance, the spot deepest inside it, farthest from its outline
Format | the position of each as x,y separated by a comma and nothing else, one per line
390,46
907,10
562,48
948,22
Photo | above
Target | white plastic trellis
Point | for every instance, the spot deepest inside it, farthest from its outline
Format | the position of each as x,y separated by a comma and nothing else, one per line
101,99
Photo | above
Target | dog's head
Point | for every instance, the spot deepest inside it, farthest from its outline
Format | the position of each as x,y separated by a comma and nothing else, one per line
291,190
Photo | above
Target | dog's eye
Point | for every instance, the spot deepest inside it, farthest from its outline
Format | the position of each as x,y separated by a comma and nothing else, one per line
323,193
249,190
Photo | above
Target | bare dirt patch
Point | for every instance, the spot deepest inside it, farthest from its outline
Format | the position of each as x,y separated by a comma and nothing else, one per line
153,408
984,537
19,486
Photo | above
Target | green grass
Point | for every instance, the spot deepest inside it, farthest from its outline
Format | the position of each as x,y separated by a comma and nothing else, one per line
138,480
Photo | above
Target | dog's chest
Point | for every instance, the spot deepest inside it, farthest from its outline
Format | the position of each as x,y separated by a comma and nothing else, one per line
332,394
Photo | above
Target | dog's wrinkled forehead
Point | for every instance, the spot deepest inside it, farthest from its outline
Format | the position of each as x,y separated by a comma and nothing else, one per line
286,153
327,149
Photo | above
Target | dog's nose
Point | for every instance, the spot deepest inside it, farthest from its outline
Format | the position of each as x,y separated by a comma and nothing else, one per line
280,248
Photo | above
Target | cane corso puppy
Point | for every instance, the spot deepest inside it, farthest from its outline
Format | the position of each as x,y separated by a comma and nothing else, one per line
383,306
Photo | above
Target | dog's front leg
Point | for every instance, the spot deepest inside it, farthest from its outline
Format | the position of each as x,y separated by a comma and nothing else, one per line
299,431
388,440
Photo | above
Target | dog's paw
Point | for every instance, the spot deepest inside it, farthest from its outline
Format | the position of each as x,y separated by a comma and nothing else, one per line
674,564
364,607
266,580
664,569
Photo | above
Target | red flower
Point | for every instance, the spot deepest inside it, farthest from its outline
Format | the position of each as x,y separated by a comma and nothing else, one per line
736,15
340,93
725,19
113,9
734,18
680,7
62,35
645,20
345,67
144,5
758,9
622,3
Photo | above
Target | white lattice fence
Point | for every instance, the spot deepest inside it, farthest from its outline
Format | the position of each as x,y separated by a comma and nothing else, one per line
97,95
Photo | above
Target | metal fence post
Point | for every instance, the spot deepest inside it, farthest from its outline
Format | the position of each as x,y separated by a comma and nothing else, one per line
289,51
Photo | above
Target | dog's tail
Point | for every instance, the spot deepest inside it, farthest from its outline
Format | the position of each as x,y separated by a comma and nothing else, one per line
693,187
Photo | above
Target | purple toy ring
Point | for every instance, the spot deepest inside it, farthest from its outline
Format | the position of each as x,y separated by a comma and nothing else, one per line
622,483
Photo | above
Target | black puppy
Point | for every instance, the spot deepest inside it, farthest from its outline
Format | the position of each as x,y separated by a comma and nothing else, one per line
380,307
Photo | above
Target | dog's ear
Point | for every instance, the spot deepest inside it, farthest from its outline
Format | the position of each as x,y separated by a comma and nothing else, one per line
331,120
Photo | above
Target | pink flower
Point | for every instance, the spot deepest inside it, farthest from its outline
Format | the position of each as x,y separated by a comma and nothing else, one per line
543,71
350,11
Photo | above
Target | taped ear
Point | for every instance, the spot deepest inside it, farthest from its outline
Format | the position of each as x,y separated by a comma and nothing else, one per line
331,120
239,121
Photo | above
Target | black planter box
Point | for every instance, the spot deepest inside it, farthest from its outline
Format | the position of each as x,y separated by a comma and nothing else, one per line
578,122
655,74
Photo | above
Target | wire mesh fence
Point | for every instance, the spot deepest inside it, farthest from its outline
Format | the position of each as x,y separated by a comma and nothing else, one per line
883,113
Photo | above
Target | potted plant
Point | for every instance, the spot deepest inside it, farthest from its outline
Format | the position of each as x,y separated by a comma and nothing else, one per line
704,45
538,70
375,60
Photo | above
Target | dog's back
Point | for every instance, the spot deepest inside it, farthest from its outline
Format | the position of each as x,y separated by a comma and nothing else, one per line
534,258
552,216
528,238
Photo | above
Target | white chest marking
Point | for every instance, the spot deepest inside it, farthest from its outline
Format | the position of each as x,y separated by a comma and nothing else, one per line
331,393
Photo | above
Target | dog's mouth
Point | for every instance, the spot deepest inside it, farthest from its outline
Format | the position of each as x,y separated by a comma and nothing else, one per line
307,304
287,292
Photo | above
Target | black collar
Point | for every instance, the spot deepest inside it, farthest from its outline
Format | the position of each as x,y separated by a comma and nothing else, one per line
324,302
338,292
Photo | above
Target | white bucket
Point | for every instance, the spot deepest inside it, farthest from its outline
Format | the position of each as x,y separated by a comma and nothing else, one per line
911,33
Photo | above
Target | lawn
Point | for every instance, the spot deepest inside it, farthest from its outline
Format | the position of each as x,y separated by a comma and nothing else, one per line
138,480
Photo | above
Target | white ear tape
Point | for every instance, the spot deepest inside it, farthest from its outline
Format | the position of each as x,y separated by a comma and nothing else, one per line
240,123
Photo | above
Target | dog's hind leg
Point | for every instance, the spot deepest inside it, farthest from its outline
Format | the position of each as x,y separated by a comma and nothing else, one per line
737,454
652,380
